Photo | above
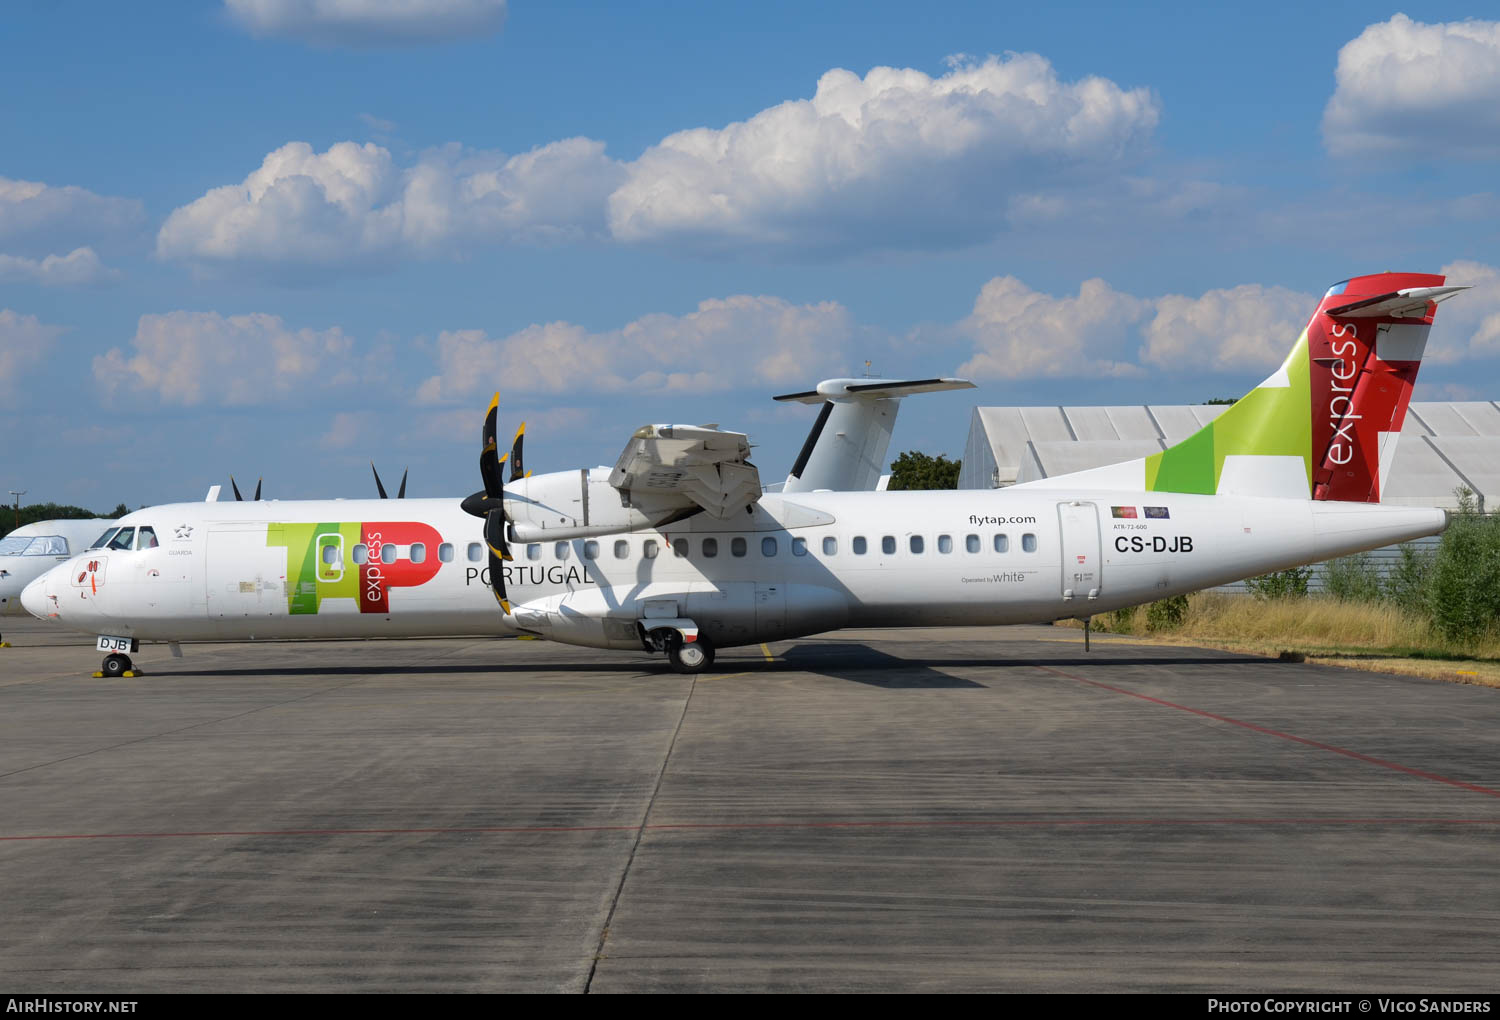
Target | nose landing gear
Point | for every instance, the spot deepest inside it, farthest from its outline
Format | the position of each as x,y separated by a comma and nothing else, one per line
117,663
117,666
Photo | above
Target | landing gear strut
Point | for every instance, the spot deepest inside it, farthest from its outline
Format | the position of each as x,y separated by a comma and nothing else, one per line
689,656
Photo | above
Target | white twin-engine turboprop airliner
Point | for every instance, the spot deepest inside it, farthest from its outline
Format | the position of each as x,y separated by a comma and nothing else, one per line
677,549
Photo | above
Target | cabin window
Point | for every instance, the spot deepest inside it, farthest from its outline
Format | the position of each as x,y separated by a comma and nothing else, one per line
104,539
737,547
560,551
419,552
650,549
1028,542
445,552
799,547
768,546
917,544
361,553
1002,543
888,545
680,549
830,546
945,543
124,540
330,554
971,543
533,551
622,549
591,550
710,548
475,552
388,552
859,545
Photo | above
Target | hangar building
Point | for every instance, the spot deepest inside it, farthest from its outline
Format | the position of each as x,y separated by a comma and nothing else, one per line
1443,446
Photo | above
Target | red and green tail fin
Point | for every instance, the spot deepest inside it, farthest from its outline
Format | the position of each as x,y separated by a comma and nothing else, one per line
1325,424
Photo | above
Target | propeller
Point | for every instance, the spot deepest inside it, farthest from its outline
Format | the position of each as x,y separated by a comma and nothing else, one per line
236,489
489,504
516,469
400,493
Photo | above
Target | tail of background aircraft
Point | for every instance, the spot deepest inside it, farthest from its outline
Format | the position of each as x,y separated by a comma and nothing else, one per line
1325,424
845,451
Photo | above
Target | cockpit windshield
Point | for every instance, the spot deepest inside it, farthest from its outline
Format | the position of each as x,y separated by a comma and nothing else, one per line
147,539
27,545
124,540
99,543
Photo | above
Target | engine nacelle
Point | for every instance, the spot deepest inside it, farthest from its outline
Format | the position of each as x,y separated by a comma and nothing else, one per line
562,505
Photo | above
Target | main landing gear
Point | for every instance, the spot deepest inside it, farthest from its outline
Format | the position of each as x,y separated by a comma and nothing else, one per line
689,656
688,650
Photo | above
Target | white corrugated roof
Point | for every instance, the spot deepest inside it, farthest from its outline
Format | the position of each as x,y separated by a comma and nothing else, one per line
1443,445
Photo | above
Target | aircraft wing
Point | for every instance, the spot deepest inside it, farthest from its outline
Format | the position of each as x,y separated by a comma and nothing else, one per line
706,465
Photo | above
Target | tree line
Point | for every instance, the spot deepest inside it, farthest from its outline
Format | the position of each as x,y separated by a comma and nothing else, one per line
11,519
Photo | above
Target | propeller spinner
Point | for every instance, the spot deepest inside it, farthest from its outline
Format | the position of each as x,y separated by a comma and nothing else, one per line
490,504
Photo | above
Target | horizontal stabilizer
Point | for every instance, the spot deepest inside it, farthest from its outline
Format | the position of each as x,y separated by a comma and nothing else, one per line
1402,304
872,389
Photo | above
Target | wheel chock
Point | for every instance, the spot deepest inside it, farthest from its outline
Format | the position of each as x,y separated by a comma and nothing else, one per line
4,644
133,673
97,675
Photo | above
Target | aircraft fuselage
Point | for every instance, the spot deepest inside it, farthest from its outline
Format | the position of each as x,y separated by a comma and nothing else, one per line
791,566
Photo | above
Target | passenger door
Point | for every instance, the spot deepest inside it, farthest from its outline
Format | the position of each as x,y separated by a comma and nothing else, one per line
1082,563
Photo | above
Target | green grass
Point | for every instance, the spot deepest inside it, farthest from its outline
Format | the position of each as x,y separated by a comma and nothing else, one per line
1372,635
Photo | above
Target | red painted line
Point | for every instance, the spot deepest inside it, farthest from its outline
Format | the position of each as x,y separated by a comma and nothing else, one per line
1394,766
973,823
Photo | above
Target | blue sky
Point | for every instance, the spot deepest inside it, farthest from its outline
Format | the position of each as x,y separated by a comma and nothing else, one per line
284,237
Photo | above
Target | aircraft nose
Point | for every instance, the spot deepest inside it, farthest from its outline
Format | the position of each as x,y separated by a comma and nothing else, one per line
34,597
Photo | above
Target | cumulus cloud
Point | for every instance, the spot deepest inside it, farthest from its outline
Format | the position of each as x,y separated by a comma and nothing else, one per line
353,203
24,341
369,22
894,158
79,267
724,344
1249,326
1022,333
456,425
1468,325
33,213
190,358
346,429
1405,86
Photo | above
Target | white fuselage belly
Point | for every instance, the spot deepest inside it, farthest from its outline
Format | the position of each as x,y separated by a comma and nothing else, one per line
216,574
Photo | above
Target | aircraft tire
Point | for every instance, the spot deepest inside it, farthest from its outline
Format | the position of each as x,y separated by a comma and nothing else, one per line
116,666
690,657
